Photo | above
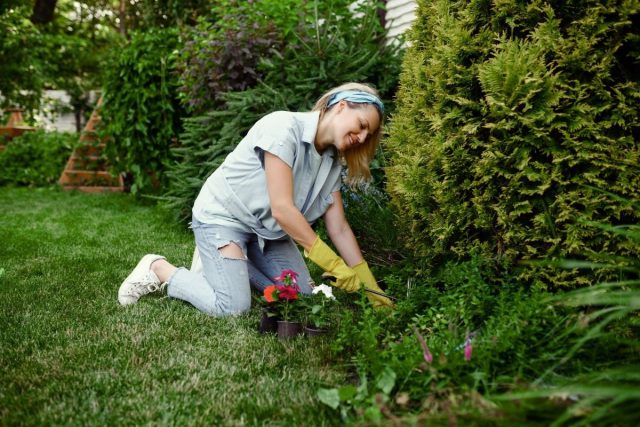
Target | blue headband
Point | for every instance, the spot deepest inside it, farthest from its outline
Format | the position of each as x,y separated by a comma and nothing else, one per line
359,97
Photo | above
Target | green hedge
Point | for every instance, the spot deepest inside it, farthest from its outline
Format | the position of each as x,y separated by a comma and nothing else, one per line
140,110
36,158
511,115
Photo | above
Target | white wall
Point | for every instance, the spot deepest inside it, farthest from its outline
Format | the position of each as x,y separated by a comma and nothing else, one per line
400,16
56,113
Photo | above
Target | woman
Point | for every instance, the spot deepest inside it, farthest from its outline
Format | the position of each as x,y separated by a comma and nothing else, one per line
282,177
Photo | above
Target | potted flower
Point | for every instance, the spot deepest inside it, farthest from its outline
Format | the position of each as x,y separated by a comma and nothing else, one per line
318,310
280,299
269,318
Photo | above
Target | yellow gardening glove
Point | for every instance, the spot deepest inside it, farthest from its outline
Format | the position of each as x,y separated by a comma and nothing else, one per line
323,256
365,275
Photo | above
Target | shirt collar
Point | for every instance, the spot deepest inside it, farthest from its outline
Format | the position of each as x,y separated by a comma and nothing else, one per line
310,122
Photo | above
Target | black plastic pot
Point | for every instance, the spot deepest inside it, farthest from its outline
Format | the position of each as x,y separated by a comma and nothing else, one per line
267,324
288,329
313,332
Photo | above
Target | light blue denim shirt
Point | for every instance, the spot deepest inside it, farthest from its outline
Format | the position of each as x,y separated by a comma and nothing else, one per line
236,193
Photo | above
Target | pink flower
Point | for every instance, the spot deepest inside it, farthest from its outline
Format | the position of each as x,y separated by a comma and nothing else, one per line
287,277
428,357
468,348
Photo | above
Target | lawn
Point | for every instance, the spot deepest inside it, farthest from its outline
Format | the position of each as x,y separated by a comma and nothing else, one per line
71,355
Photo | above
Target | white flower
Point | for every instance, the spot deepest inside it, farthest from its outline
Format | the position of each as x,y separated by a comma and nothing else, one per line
326,290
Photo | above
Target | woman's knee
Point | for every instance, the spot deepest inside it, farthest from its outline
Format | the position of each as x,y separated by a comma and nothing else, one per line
238,304
232,250
223,310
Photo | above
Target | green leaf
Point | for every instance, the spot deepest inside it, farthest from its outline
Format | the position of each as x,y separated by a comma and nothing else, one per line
347,392
387,380
373,413
330,397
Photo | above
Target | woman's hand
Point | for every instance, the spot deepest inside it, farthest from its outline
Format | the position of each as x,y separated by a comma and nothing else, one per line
321,254
345,241
365,275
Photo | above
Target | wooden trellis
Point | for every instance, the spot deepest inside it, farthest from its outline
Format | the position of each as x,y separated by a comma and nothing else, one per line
86,169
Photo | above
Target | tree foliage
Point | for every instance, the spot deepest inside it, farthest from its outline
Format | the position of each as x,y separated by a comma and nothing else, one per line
509,114
64,54
23,69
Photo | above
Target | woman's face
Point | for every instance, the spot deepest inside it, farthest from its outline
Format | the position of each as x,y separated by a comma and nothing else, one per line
353,126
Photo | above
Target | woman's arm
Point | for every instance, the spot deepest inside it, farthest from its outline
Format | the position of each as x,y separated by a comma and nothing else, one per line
280,189
345,241
285,212
340,232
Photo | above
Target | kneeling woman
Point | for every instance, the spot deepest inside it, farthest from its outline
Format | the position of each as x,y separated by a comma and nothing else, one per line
262,200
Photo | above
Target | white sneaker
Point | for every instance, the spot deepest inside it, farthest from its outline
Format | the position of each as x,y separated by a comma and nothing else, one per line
140,282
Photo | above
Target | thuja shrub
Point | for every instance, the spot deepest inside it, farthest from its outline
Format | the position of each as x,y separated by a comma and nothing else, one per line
339,45
140,108
510,116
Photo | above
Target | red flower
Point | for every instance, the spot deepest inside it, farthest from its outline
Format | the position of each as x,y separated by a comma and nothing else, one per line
269,293
289,293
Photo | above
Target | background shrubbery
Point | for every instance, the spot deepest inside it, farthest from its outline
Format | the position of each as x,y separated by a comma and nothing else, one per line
141,112
509,114
223,51
36,158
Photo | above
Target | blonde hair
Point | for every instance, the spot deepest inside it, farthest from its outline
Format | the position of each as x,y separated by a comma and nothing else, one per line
359,157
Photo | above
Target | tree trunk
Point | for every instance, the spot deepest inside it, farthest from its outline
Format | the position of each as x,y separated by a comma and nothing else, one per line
43,11
382,13
123,16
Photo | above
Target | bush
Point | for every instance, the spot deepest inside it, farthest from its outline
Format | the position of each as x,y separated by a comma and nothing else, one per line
223,51
140,109
608,329
373,222
336,47
508,114
36,158
514,335
524,344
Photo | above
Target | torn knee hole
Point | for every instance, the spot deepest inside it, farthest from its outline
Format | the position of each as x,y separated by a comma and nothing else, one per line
231,250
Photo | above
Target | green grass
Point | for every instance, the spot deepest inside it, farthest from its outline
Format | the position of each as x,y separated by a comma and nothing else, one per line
71,355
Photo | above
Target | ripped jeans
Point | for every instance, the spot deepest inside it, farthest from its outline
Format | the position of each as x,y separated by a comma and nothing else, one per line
224,287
